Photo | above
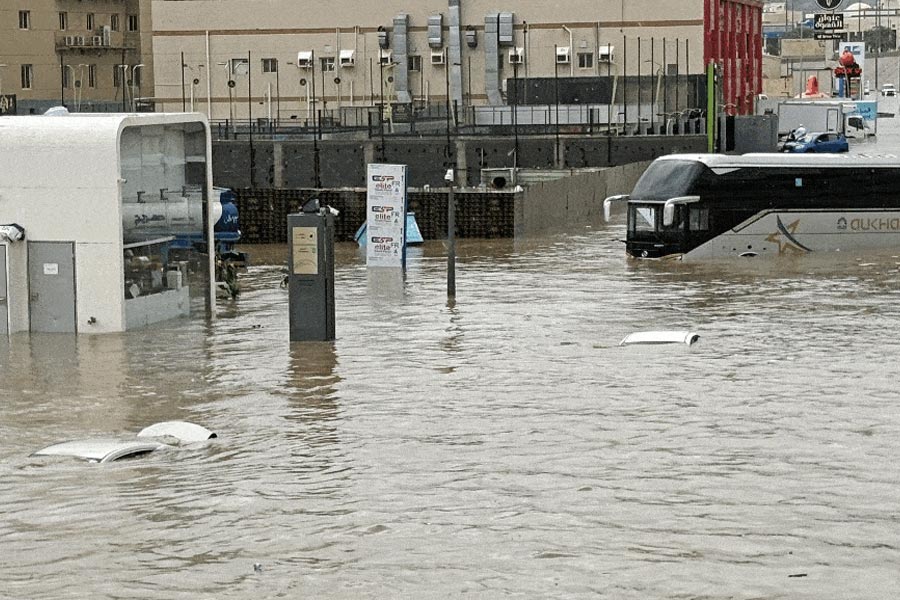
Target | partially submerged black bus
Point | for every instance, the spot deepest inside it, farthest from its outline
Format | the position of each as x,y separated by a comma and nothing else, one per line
710,205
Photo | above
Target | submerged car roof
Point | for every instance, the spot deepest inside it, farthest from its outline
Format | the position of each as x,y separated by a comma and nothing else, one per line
778,159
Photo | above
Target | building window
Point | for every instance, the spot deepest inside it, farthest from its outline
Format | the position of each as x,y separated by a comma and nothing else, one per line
24,19
327,63
117,75
114,22
89,22
92,76
585,60
415,63
239,66
63,21
65,77
270,65
27,77
132,23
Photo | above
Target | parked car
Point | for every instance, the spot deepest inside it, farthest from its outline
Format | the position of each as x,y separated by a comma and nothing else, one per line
888,90
829,141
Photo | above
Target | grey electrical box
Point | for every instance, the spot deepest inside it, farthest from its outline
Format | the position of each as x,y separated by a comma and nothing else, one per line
471,37
311,274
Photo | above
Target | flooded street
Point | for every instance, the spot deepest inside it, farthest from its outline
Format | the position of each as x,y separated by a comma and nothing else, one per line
504,446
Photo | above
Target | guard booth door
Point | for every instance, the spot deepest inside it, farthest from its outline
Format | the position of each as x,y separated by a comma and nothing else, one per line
4,305
51,285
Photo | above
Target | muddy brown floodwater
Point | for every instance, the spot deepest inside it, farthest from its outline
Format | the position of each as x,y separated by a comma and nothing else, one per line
505,446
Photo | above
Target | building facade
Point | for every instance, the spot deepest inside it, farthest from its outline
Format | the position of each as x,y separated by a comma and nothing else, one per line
89,55
281,58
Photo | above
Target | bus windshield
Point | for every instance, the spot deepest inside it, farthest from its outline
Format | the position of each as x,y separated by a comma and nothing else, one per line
666,179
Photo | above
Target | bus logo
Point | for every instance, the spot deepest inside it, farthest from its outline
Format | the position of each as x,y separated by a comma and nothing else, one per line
785,238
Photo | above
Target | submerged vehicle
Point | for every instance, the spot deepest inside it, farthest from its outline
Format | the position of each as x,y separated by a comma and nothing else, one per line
711,205
827,141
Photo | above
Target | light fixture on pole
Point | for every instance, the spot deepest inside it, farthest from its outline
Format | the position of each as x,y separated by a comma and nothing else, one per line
124,84
136,86
79,86
68,67
316,164
659,73
230,84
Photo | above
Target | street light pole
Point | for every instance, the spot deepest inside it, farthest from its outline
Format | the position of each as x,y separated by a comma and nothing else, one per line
317,165
229,83
277,93
124,83
136,86
73,81
556,94
515,120
450,178
79,88
381,108
183,98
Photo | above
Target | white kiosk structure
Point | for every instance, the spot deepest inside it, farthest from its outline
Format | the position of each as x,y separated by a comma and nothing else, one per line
87,206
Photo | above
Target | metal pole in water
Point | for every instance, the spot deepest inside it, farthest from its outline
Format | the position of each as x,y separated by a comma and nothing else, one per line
451,235
450,178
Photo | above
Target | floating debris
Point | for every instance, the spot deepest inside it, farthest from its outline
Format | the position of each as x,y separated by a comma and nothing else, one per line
660,337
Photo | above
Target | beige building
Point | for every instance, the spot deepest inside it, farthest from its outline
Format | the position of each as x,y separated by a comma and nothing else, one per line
86,54
279,54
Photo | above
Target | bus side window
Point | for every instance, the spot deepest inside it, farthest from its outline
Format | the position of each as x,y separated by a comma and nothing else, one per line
699,219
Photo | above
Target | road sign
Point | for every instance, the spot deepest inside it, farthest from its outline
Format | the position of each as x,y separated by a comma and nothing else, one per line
829,36
828,21
829,4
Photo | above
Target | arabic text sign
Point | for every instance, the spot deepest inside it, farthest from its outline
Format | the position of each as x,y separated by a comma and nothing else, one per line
829,21
386,216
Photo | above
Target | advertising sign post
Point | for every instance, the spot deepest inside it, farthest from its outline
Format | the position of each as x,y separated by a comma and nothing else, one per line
386,201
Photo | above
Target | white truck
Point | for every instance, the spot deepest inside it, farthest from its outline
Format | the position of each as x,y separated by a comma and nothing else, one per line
841,116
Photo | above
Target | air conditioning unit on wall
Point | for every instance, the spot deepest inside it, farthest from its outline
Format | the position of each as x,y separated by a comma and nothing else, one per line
304,59
605,54
517,56
437,58
563,55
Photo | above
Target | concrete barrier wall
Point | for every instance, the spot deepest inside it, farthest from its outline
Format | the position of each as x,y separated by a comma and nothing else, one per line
263,212
575,201
557,205
289,164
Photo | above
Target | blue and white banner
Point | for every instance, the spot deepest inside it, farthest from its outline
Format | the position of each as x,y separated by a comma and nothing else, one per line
386,216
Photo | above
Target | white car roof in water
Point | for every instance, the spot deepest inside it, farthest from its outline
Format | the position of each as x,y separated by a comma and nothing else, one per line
778,159
99,450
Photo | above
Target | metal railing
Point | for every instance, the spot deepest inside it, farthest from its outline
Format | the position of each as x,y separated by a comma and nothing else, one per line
374,122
